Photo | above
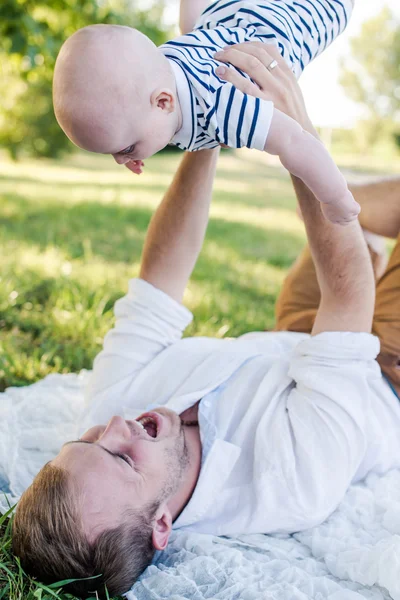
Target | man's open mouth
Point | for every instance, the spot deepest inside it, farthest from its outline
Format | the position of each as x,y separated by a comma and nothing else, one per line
150,423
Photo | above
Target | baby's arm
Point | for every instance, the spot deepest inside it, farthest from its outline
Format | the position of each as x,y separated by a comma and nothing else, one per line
190,11
307,158
299,151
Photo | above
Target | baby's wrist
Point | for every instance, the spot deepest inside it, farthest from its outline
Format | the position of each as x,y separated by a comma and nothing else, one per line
298,114
309,127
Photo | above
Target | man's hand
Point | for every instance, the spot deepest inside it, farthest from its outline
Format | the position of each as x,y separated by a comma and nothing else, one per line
340,253
280,85
291,135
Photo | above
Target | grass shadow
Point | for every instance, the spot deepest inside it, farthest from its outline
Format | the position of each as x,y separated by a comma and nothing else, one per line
116,233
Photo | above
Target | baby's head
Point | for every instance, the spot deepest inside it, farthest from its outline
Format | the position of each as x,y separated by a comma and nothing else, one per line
114,93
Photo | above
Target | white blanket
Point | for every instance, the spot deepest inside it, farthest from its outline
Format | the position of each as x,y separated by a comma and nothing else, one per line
355,554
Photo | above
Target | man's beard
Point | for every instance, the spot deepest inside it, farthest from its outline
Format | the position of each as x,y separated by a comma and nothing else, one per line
177,462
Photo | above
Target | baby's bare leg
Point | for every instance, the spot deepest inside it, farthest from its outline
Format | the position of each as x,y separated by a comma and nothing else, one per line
380,206
189,12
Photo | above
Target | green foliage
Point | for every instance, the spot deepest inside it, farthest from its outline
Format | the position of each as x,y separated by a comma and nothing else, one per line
71,236
371,77
31,33
14,584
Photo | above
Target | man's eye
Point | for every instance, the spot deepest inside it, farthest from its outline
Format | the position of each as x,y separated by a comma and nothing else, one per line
125,458
128,150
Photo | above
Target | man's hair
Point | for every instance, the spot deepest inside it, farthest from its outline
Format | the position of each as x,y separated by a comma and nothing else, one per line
47,537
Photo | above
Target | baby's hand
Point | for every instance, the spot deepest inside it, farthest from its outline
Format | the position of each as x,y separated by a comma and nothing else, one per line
136,166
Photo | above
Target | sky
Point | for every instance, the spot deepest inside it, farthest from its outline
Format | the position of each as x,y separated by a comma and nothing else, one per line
326,102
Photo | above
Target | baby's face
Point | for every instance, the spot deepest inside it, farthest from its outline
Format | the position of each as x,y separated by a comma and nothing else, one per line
141,139
115,93
129,135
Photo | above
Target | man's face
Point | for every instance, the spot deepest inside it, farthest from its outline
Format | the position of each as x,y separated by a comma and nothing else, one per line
125,465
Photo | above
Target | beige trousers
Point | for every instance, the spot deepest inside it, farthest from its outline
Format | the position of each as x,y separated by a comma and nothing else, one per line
299,299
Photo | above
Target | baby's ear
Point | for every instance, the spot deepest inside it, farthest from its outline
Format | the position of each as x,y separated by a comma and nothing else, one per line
164,100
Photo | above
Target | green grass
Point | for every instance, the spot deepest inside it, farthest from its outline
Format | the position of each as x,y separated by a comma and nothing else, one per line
71,235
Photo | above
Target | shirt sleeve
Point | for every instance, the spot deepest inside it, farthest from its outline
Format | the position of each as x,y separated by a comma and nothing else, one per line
327,421
147,322
239,120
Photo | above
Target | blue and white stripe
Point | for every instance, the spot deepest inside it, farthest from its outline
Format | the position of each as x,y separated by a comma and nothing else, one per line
219,113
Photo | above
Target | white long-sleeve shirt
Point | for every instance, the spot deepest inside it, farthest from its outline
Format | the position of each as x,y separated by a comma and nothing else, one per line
287,421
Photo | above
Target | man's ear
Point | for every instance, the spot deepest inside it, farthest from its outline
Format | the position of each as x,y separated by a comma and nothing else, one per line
164,100
162,528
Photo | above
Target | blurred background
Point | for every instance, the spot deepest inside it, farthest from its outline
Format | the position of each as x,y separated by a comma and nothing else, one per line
72,224
352,91
31,33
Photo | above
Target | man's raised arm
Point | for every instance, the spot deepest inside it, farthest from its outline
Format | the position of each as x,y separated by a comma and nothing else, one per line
343,266
340,253
148,318
300,152
177,229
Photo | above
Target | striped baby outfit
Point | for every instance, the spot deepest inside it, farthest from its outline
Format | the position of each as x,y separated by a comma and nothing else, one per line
213,110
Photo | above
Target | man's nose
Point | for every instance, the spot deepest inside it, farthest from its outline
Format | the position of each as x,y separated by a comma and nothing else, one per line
121,160
117,429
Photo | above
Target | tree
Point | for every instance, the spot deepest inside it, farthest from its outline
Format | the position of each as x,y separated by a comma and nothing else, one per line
371,74
31,33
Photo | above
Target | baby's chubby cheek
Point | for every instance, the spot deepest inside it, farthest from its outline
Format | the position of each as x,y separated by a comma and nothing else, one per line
156,139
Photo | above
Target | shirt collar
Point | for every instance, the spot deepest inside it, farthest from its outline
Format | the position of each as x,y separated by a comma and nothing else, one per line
186,136
214,473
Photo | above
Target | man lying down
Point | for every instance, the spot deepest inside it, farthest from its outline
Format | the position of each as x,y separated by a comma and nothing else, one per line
263,433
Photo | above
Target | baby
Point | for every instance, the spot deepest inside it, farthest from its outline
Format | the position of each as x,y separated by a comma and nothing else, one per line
116,93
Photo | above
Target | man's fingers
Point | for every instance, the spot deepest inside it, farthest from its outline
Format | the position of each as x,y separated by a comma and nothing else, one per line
247,62
268,84
278,85
265,53
240,82
254,60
